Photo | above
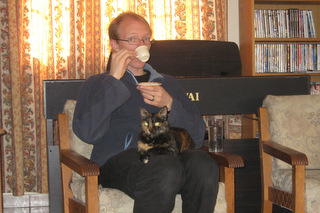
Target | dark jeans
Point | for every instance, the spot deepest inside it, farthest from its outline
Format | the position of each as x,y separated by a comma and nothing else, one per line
154,185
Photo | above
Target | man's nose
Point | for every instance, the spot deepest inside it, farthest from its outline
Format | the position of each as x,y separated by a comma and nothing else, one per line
141,41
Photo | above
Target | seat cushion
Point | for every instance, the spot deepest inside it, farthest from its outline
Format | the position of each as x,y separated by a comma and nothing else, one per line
295,123
77,145
115,201
282,179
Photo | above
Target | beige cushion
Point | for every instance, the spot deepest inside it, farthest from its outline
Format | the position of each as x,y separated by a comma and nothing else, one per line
113,200
295,123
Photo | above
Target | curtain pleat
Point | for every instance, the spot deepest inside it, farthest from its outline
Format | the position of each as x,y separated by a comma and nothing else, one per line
68,39
14,142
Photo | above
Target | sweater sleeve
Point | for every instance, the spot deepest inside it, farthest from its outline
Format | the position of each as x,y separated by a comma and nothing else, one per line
99,96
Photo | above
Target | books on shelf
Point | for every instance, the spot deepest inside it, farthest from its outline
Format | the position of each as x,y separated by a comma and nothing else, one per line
289,23
287,57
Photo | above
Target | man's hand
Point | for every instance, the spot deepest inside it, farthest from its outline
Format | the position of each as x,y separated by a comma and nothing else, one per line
120,61
156,96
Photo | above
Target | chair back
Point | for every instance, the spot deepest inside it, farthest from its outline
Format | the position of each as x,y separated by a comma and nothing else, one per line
294,122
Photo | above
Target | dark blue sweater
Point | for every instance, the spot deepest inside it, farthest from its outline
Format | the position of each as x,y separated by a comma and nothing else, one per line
107,113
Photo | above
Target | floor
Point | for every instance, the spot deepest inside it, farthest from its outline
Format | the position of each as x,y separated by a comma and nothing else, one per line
28,203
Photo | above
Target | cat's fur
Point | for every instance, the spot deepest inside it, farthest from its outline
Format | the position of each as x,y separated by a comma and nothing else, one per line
158,138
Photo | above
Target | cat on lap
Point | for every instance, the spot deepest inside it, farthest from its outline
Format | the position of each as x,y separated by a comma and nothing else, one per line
158,138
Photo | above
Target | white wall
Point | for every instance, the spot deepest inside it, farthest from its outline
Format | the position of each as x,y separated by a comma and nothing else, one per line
233,20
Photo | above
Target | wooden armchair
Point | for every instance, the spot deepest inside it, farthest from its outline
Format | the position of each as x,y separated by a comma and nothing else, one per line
83,195
289,141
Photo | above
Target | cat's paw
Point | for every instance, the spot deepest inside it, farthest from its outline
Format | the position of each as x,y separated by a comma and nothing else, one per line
144,159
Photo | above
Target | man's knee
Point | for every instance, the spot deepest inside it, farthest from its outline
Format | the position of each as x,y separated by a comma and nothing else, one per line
199,163
166,172
162,172
160,182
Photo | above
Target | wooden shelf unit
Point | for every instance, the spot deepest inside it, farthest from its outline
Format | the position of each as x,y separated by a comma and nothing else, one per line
247,31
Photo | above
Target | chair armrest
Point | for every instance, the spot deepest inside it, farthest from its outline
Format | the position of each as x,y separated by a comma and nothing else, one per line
225,159
79,163
284,153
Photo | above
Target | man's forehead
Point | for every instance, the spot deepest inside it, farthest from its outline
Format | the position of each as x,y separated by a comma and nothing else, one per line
130,23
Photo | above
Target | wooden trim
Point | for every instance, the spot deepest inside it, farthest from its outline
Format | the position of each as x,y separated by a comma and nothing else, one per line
66,174
265,160
76,206
264,124
227,176
2,132
298,188
284,153
246,13
92,194
280,197
63,132
79,163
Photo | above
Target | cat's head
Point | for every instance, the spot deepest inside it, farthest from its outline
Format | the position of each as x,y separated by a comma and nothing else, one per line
154,124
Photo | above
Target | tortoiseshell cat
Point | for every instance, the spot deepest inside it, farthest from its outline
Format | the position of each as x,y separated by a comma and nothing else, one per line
158,138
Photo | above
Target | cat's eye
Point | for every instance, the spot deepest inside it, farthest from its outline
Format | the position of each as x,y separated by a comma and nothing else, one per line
157,123
145,123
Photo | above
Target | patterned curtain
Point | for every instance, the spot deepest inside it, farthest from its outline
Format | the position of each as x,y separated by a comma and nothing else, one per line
67,39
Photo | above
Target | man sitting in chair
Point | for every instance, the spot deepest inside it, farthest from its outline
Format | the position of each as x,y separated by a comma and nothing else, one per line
107,115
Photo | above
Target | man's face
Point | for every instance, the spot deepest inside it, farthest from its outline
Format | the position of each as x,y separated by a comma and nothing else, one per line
130,28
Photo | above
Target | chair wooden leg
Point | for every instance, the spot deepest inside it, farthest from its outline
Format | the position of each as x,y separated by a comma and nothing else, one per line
227,176
2,132
266,181
298,189
92,194
266,206
67,193
265,161
0,183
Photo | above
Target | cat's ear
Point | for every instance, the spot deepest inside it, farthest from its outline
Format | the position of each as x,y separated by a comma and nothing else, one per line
143,112
163,112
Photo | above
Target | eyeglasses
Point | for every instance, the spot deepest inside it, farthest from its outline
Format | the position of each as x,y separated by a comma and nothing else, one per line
135,41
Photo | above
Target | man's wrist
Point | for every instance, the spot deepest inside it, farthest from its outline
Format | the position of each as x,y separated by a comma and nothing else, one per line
169,106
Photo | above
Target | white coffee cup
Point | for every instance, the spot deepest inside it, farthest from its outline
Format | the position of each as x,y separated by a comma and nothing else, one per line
143,53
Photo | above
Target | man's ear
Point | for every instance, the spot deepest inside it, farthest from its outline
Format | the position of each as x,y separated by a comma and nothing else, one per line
114,44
